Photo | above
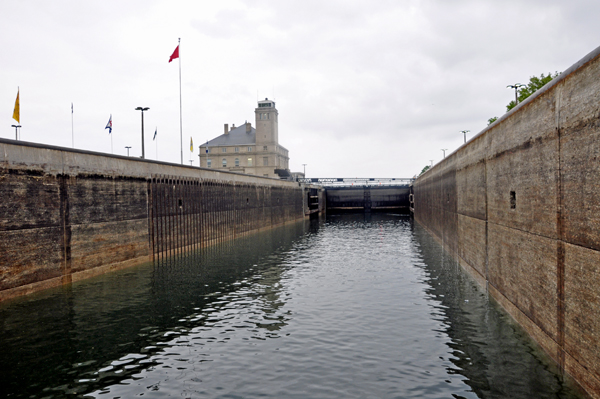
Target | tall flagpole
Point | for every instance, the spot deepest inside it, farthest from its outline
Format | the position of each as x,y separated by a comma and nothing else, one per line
72,131
180,117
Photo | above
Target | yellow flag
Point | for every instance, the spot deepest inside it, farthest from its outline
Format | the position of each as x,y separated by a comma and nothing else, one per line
16,112
191,145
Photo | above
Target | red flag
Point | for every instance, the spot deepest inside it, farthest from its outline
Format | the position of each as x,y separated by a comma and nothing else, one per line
175,54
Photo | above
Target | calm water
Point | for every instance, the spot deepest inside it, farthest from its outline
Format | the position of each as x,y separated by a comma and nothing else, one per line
353,307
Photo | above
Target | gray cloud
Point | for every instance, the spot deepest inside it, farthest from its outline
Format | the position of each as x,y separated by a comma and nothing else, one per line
363,89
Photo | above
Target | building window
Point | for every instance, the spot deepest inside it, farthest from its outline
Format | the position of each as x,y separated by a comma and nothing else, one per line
249,149
265,161
207,150
224,149
249,161
209,163
224,162
265,148
237,149
237,162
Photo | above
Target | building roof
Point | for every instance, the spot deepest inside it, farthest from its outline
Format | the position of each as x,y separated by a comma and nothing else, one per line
236,136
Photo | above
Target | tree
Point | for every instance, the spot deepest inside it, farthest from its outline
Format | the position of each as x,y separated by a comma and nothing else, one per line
534,85
425,169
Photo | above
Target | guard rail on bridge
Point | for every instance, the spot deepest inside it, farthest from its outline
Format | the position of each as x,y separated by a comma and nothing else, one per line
356,181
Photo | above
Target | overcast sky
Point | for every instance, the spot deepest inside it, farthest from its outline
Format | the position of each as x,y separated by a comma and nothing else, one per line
363,88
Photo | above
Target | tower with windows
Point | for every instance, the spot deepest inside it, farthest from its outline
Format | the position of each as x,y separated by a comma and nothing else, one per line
266,123
250,150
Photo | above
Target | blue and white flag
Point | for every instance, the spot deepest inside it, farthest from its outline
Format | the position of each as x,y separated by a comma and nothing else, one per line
155,130
109,125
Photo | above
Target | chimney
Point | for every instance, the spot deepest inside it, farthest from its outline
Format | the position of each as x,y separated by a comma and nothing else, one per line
226,128
232,126
248,127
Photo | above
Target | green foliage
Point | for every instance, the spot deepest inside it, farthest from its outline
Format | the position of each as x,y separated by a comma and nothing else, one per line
425,169
534,85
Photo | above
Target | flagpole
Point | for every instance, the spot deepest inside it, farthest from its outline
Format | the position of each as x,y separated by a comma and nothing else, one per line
180,115
72,130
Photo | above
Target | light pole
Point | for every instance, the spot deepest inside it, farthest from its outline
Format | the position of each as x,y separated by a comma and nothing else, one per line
304,164
142,109
431,160
16,131
128,147
516,87
465,133
444,150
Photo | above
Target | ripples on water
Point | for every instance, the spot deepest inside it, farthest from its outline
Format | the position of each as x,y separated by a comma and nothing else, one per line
355,307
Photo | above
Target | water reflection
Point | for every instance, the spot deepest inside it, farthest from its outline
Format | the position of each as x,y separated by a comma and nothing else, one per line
353,306
103,331
496,357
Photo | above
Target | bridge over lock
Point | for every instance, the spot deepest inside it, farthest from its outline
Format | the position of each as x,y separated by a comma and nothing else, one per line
363,194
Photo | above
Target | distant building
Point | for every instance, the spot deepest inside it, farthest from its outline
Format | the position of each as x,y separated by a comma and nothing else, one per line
244,149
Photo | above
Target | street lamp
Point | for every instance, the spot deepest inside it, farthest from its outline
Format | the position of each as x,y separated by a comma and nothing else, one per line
128,147
431,160
142,109
465,133
444,150
304,164
16,131
516,87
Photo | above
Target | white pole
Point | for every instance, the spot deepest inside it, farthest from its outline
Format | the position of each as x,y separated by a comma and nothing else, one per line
180,115
72,131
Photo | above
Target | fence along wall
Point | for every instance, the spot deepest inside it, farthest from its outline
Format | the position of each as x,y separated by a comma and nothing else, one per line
66,215
189,213
518,206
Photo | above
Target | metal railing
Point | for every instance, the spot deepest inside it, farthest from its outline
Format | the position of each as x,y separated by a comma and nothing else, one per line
356,181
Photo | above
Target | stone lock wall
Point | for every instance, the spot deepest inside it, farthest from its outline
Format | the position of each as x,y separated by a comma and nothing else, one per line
519,206
66,215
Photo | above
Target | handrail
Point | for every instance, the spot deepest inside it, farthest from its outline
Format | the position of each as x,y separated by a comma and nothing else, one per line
366,181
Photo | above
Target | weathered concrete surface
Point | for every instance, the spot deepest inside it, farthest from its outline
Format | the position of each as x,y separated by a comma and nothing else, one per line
67,214
519,206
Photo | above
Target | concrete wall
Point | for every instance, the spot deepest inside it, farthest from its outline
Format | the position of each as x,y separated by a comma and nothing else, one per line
519,206
67,215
